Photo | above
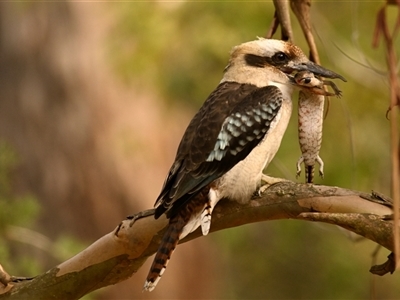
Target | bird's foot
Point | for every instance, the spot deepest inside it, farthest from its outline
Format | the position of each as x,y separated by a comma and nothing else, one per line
268,181
139,215
271,180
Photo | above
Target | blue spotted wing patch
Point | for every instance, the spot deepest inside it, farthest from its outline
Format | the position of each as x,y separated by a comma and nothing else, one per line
196,144
232,121
249,122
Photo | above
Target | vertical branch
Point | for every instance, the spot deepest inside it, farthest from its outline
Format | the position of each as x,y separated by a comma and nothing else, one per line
381,29
273,27
281,17
301,9
283,14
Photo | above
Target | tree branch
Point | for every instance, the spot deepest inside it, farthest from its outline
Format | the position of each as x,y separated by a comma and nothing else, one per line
119,254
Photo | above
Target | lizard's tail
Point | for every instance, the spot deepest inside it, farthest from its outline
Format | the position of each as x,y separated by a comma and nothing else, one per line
309,171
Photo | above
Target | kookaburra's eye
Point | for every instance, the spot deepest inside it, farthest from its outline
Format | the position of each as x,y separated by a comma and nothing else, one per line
280,58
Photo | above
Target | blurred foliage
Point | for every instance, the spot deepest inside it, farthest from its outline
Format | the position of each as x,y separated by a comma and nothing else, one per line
180,50
23,251
299,260
13,210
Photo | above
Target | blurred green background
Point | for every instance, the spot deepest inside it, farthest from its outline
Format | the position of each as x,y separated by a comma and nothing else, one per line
94,100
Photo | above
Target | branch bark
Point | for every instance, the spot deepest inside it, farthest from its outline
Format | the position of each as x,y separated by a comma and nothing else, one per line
120,253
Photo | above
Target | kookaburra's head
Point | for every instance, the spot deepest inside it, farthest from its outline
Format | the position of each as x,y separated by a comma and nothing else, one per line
266,61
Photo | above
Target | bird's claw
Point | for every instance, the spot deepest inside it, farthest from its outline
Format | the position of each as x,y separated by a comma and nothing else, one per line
268,180
139,215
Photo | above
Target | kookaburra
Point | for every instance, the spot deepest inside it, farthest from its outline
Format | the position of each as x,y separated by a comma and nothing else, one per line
230,140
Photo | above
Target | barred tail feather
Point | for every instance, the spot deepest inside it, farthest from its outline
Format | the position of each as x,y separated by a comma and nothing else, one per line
184,221
164,252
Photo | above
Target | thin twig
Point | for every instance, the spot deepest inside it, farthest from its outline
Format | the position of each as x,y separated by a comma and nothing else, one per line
282,12
301,9
382,30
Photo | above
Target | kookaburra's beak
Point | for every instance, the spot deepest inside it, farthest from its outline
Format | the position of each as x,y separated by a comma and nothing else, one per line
316,70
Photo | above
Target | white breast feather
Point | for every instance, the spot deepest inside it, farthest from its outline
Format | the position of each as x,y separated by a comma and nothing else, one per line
243,179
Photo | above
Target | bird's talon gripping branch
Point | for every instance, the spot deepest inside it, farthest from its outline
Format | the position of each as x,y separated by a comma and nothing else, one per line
268,180
271,180
140,215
